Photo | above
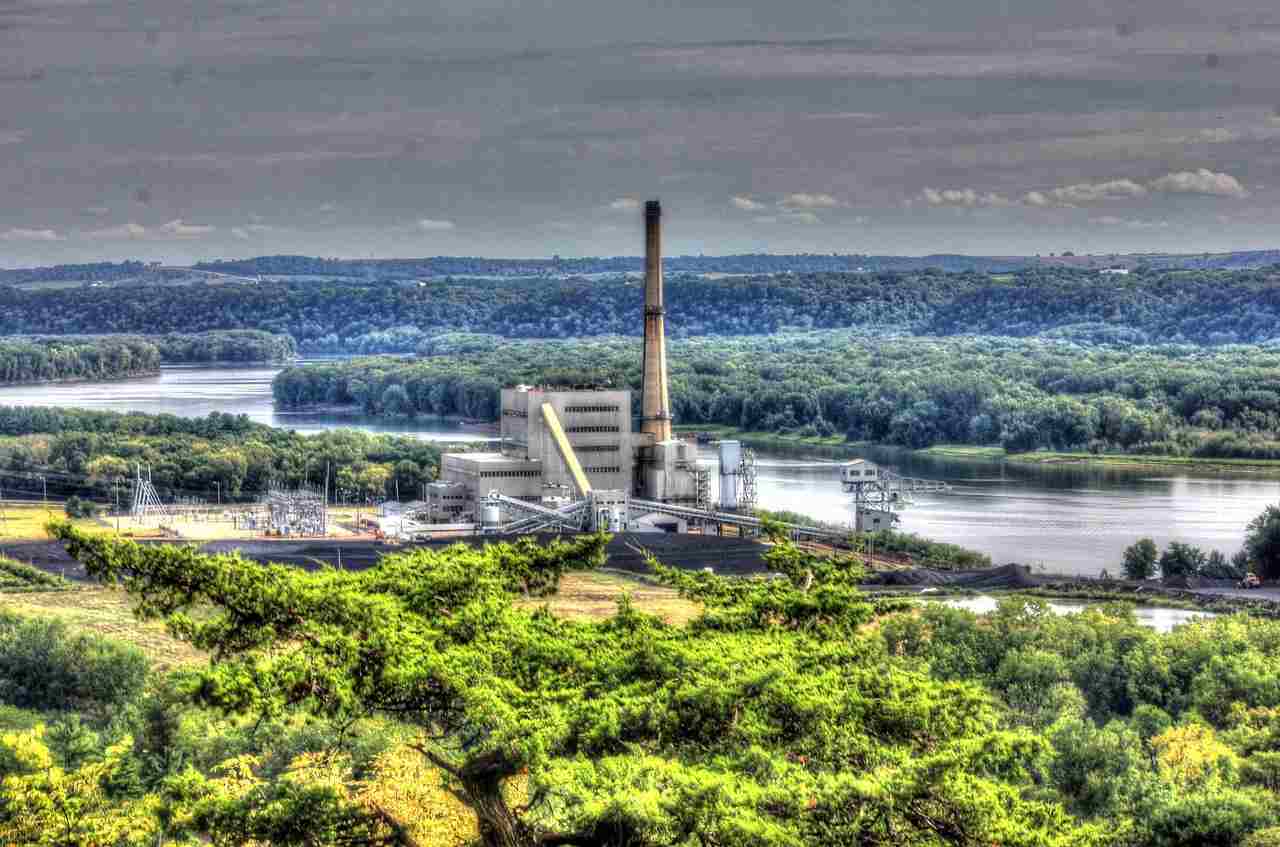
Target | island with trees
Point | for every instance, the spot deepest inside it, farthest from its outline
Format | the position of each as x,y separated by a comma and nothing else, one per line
1021,394
63,358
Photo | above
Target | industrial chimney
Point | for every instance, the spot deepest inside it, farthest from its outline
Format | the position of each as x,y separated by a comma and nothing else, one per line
655,409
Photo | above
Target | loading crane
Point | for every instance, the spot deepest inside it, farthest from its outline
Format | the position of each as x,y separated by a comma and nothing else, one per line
878,493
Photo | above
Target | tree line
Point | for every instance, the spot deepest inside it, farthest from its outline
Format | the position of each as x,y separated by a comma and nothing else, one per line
1024,394
103,357
76,452
433,699
1260,555
378,315
50,359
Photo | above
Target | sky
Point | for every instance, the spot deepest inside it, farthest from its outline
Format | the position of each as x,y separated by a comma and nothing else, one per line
177,130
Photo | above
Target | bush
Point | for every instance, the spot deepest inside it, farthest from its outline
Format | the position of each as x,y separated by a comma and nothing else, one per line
1262,542
44,666
1180,559
16,575
77,507
1140,559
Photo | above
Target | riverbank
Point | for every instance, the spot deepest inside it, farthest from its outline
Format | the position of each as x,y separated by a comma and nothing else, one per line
836,445
354,410
82,380
1049,457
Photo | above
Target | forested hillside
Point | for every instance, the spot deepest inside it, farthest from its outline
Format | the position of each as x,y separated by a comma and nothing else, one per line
1022,393
85,452
359,316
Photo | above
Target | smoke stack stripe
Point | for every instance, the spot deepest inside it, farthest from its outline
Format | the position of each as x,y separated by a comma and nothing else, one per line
655,409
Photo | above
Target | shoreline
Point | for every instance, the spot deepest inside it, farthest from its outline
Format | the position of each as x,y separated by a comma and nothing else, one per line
971,452
352,410
80,380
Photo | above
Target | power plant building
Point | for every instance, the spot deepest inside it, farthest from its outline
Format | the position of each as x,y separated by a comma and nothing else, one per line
564,442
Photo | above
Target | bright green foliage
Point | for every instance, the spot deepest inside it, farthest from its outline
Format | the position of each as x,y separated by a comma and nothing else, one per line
1262,542
773,719
1140,559
193,455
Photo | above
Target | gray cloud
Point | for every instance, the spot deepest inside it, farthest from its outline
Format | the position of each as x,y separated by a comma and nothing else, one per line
129,230
803,200
525,122
1202,181
434,225
1087,193
964,197
22,234
179,228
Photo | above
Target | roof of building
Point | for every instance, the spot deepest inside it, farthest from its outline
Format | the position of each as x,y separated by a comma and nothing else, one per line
492,459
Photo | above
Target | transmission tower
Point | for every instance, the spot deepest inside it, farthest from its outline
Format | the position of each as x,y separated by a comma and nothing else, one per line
146,502
747,496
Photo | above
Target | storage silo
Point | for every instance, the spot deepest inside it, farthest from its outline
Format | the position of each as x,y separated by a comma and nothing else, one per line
730,463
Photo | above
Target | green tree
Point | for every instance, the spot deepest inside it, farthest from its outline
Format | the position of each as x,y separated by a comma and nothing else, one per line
774,718
1140,559
1179,559
1262,541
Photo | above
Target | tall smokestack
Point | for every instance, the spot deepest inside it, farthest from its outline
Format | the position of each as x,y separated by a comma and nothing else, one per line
655,408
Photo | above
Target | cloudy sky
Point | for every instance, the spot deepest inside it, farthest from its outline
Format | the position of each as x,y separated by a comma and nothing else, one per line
182,129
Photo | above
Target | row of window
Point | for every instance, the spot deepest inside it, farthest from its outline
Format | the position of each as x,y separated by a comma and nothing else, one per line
514,413
591,429
534,474
598,448
603,470
573,410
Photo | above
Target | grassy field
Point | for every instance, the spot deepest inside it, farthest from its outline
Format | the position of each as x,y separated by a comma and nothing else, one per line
106,612
27,522
834,443
765,439
1048,457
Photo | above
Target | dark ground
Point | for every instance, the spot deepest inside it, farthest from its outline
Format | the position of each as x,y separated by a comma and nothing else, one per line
726,555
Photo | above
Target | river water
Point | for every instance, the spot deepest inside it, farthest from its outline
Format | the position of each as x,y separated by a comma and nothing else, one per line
1074,519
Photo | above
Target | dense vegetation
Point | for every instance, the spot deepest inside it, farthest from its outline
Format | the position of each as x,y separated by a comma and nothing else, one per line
777,717
44,359
361,315
83,452
1021,393
227,345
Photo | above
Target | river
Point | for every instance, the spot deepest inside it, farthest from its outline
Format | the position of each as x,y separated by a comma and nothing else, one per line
1074,519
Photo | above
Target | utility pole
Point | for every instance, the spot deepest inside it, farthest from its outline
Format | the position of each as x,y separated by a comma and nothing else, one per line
44,486
218,485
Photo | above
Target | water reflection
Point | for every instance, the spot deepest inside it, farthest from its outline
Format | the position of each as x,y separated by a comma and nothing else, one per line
1159,619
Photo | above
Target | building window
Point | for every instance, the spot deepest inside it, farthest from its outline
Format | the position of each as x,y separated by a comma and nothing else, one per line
598,448
576,410
585,429
514,413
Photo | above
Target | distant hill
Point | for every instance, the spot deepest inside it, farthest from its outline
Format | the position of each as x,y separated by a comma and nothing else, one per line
747,263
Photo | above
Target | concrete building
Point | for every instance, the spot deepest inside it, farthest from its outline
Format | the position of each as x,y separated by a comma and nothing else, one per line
597,422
